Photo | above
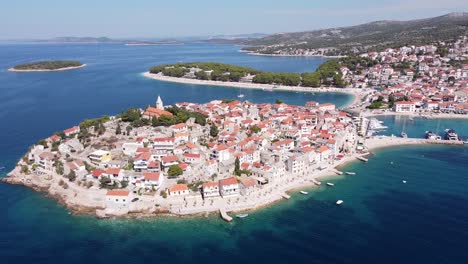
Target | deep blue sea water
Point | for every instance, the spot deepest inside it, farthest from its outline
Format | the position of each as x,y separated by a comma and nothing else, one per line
381,221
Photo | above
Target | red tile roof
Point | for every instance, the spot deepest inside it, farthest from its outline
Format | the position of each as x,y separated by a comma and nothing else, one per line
228,181
117,193
151,176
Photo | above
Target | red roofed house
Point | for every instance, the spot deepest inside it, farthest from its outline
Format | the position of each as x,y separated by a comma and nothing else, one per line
182,127
324,153
154,166
210,189
141,161
117,198
247,186
97,174
113,174
169,161
229,187
153,179
284,145
71,131
53,138
221,153
178,190
192,158
163,143
155,112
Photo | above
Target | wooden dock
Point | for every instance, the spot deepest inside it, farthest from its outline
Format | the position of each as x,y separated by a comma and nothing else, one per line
224,215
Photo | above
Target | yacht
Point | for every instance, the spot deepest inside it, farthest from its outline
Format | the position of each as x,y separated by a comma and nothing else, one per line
330,184
304,192
339,202
404,135
241,96
350,173
450,134
432,135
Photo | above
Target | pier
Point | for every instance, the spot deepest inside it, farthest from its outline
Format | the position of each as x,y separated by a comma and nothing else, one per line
224,215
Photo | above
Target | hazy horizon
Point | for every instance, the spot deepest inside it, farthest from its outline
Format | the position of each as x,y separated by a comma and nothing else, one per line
153,20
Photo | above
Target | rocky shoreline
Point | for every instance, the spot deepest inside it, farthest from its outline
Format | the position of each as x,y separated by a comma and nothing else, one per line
74,199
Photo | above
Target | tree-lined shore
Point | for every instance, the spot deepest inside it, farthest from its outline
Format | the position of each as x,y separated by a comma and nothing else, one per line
327,74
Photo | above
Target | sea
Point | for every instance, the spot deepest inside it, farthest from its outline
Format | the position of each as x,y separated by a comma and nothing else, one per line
406,205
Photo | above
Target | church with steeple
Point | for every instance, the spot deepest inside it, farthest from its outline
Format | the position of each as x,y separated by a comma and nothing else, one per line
157,111
159,103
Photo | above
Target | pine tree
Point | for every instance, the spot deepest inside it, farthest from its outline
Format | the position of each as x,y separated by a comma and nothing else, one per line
237,170
118,130
214,131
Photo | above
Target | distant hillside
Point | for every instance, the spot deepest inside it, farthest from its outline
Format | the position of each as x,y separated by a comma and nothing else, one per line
365,36
129,42
82,40
232,39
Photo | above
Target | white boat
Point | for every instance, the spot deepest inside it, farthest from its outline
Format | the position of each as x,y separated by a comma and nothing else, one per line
339,202
404,181
451,135
350,173
375,124
404,135
304,192
241,96
242,215
330,184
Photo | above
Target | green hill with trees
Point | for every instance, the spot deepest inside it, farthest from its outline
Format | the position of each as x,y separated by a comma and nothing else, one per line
327,74
47,65
372,36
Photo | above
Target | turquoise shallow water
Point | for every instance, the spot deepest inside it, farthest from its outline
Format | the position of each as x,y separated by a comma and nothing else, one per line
381,221
418,126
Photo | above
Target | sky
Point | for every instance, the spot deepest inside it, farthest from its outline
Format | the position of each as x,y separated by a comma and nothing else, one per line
28,19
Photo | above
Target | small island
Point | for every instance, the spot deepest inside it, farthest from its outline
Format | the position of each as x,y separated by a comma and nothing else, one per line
42,66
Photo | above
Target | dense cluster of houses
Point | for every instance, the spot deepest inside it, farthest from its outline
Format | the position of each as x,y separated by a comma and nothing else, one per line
419,78
269,142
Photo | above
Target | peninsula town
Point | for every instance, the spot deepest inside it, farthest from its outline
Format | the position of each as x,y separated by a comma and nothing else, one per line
233,155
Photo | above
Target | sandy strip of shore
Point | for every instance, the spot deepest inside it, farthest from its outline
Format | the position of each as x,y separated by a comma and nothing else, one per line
356,93
44,70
